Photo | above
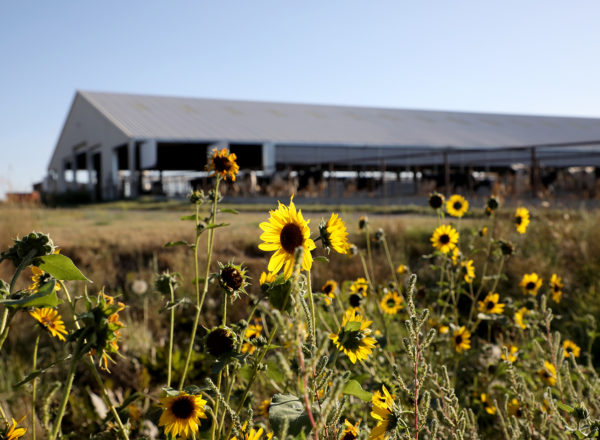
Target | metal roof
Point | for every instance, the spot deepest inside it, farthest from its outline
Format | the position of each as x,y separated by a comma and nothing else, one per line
178,118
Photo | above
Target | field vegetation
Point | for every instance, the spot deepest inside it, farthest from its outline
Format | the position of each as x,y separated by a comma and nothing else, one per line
452,322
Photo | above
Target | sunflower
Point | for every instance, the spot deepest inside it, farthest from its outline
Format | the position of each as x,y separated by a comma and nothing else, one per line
401,269
224,164
521,219
12,432
350,431
571,348
51,321
490,304
461,339
353,337
519,315
531,283
329,289
251,333
514,408
469,271
385,413
436,200
548,373
267,278
220,341
512,353
457,205
557,285
181,414
254,434
263,408
334,234
487,405
483,231
444,238
391,303
233,279
455,256
40,278
360,287
284,232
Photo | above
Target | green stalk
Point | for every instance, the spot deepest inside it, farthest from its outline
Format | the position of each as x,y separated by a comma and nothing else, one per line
369,250
200,299
312,307
6,318
214,426
34,385
171,331
66,393
392,269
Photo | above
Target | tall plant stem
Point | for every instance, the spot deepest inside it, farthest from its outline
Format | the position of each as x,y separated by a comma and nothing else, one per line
392,269
171,331
34,385
214,427
200,298
369,257
416,386
66,393
312,307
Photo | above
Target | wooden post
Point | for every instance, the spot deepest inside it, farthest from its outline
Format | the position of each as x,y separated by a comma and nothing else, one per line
446,174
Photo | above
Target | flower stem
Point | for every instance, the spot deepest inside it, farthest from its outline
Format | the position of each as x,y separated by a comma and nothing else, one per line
34,385
392,269
66,393
171,331
200,299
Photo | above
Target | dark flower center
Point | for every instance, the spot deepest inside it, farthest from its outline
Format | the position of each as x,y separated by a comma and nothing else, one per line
458,339
183,408
349,436
351,340
390,302
232,278
355,300
219,342
328,288
555,287
435,201
291,237
518,219
457,206
519,413
444,239
530,285
222,164
490,305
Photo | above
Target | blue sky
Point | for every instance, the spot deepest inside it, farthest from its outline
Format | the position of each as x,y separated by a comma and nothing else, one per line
532,57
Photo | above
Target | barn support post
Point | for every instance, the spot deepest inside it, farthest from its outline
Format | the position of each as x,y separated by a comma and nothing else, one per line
534,173
133,180
330,182
446,174
415,180
383,182
89,163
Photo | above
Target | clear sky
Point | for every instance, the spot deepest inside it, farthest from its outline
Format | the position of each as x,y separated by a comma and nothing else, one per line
509,56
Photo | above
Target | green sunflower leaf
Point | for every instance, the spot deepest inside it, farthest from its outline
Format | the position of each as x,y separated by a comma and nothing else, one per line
188,217
39,372
230,210
321,259
45,297
352,326
177,243
288,408
353,388
565,407
61,267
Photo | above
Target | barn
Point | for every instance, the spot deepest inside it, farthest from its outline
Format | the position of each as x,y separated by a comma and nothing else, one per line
115,145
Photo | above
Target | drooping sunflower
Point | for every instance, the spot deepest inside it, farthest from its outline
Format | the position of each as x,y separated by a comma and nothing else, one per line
181,414
284,232
329,289
557,286
521,220
490,304
391,303
224,164
444,238
220,342
385,413
233,279
461,339
40,278
469,271
350,431
457,205
12,432
334,234
519,315
353,337
512,353
360,287
436,200
531,283
252,332
548,373
487,405
571,348
51,321
267,278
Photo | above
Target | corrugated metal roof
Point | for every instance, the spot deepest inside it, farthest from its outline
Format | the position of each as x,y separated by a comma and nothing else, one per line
177,118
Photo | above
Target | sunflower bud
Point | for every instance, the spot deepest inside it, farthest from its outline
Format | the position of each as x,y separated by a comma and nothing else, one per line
379,235
492,203
220,342
165,282
506,247
436,200
197,197
34,245
232,279
363,222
